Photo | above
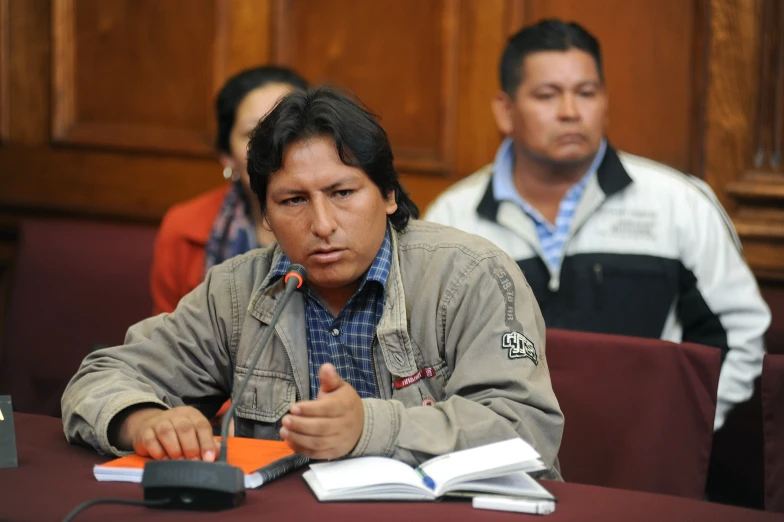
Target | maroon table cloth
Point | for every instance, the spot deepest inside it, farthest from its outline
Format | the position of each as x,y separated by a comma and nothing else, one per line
53,477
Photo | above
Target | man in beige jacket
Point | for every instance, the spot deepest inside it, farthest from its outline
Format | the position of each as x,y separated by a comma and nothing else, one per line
410,340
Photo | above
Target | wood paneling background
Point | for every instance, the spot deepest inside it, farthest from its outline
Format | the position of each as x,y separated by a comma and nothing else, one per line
106,105
415,91
745,125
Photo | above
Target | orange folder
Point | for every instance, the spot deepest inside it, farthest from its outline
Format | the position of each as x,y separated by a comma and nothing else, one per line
260,460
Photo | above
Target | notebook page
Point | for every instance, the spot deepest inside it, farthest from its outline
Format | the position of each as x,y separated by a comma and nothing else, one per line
517,484
363,472
480,462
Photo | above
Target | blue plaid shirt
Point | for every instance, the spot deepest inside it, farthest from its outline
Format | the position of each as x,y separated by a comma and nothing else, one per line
552,238
346,340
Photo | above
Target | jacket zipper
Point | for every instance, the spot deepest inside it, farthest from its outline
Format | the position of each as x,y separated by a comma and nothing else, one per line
598,280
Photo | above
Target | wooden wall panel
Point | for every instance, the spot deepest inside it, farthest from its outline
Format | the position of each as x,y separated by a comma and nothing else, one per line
745,119
483,35
429,68
248,37
136,74
398,56
28,77
649,69
111,116
137,178
3,70
100,185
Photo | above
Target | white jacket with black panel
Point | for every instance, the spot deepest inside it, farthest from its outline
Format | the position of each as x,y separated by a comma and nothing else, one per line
650,253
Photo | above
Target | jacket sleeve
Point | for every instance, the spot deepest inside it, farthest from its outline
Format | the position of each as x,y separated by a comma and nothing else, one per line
720,303
492,334
169,360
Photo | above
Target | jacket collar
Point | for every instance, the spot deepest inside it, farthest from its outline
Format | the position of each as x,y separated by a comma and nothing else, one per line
291,327
392,330
611,176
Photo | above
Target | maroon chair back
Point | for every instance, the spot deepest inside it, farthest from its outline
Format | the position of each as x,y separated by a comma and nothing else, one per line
773,293
639,412
737,470
76,286
773,430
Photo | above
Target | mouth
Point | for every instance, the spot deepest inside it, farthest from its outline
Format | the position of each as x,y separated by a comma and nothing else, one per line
571,137
327,255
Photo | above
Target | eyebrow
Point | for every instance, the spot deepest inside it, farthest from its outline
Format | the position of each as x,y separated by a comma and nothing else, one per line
294,192
585,83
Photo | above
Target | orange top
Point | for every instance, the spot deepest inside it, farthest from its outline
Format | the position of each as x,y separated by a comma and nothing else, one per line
178,263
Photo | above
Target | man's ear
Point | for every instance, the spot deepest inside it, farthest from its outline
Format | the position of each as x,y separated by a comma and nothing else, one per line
502,107
391,204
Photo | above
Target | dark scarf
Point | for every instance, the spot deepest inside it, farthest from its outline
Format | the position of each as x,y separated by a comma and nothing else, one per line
233,232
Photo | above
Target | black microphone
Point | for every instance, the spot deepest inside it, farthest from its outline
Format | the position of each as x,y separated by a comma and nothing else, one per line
212,486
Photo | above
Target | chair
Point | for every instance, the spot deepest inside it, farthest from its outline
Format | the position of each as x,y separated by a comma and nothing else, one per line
736,474
774,296
773,430
639,412
76,286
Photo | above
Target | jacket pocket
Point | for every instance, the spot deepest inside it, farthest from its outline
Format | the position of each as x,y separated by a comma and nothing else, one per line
632,298
268,396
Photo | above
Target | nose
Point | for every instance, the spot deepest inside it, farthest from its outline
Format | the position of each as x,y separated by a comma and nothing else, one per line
567,109
323,223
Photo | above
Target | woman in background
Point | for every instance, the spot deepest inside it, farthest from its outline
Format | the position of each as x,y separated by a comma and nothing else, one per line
210,228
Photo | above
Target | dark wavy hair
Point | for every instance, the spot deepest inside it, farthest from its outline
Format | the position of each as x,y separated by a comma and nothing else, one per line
240,85
546,35
358,137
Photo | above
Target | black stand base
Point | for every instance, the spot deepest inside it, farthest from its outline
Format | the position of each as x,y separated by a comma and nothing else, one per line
194,485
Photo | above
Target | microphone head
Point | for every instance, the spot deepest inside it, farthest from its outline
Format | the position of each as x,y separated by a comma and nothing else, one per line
298,272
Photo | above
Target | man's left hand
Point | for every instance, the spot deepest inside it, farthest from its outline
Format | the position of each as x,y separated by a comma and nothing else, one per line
330,426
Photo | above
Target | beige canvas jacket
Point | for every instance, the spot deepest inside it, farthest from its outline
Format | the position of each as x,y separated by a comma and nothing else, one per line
454,302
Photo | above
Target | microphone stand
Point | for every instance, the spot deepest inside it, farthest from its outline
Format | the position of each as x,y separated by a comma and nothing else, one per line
212,486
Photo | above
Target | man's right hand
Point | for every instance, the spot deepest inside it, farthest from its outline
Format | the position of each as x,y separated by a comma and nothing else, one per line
179,433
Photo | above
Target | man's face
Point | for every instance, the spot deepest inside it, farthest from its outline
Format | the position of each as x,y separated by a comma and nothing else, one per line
559,112
326,215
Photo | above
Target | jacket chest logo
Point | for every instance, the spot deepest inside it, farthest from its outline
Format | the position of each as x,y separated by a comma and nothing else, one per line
519,346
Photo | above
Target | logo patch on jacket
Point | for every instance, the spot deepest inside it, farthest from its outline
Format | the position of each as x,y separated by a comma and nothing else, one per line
519,346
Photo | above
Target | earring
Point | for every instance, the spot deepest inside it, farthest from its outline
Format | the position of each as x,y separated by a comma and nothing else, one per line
228,173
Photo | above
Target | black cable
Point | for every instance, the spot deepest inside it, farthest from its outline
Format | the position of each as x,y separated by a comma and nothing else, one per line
126,501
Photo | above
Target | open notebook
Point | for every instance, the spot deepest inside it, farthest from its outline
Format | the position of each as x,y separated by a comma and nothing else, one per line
500,468
261,460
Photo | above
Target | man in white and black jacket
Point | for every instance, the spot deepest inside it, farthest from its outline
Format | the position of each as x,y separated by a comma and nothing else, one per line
610,242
